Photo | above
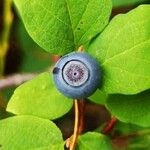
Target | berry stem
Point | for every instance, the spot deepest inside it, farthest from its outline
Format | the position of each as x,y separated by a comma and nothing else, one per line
78,125
81,103
79,118
76,129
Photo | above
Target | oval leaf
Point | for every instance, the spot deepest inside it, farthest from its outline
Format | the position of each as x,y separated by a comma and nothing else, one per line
123,52
93,141
62,26
133,109
39,97
28,132
33,57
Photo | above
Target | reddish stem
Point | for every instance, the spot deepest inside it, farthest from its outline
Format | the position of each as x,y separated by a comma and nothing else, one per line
109,126
55,58
81,49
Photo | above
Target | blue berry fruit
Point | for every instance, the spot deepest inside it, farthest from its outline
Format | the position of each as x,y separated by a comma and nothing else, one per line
77,75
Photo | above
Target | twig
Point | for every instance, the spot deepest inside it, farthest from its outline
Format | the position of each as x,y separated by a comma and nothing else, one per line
18,78
109,126
15,80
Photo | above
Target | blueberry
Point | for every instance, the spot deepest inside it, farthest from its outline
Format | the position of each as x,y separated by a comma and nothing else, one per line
77,75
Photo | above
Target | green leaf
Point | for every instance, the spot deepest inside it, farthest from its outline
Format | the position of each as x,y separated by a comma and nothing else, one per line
34,59
59,146
99,97
123,52
131,109
28,132
118,3
93,141
62,26
39,97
